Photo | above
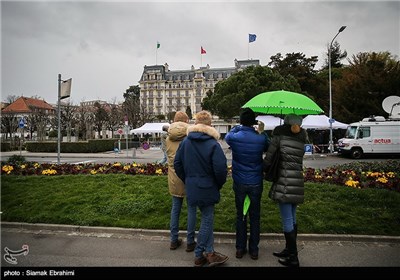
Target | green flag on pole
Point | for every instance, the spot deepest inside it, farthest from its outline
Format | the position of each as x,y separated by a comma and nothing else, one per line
158,45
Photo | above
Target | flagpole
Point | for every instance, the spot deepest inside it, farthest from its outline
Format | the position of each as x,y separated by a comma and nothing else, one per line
248,48
59,120
156,54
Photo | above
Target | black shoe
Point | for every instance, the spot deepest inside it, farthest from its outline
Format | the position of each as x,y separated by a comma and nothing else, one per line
291,261
240,253
254,256
282,254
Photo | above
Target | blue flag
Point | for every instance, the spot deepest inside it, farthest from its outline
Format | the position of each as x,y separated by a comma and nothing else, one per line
252,37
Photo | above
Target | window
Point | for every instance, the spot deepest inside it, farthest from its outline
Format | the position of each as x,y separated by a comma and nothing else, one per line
364,132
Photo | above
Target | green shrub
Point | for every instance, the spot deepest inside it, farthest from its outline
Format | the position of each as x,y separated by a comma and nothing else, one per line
16,159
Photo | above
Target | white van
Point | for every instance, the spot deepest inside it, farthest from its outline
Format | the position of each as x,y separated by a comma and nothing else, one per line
375,135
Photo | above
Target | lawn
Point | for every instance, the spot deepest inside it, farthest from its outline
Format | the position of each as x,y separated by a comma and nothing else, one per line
143,201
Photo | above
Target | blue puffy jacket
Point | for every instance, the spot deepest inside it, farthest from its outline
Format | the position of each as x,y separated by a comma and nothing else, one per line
201,163
247,147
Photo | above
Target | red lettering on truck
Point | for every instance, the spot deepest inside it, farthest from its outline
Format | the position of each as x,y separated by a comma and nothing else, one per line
382,141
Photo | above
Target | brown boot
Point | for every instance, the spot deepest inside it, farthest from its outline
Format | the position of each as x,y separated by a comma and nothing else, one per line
216,258
175,245
200,261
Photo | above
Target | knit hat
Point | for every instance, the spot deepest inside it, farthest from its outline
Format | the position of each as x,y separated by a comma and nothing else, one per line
203,117
181,117
247,117
294,121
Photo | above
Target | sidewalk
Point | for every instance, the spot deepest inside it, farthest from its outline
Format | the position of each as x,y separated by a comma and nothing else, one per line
81,246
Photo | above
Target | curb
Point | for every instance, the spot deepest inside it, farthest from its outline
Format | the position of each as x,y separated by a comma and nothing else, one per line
221,237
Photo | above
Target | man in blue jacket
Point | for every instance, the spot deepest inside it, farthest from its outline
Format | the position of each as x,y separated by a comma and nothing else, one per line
247,145
201,163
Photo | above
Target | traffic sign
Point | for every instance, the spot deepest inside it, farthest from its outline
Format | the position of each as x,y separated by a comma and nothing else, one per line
21,123
308,149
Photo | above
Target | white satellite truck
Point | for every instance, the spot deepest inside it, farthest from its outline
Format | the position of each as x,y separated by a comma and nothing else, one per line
374,135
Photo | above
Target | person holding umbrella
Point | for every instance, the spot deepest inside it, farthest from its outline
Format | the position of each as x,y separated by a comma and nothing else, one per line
288,188
248,146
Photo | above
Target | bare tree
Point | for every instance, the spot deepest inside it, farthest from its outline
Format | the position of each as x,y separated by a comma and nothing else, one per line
100,117
9,124
68,119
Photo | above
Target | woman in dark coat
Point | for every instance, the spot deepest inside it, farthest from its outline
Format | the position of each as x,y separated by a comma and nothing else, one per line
288,189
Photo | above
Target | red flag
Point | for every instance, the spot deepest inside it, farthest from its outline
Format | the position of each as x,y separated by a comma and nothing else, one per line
203,51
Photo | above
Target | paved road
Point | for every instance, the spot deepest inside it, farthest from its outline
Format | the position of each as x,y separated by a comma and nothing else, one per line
152,155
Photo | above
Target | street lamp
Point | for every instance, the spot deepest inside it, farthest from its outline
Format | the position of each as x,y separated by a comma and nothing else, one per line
330,92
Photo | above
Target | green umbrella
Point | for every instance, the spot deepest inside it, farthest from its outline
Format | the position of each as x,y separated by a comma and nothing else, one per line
283,102
246,205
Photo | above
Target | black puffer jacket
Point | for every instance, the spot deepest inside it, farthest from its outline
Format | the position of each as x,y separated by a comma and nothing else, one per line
289,188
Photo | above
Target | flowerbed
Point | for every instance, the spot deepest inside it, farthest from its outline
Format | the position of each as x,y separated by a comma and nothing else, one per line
34,168
383,175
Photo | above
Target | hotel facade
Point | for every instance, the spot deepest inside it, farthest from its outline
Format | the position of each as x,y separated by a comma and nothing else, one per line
163,91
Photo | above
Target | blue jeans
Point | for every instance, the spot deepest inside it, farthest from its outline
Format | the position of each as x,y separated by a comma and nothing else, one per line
205,236
254,192
174,224
164,159
288,216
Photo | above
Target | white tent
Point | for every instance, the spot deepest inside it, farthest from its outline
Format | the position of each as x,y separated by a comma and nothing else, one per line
321,122
270,122
149,128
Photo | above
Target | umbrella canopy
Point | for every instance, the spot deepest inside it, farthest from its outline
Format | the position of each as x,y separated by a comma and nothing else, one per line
246,205
321,122
270,122
283,102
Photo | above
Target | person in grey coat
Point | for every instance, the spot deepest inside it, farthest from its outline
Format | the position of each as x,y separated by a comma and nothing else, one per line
288,189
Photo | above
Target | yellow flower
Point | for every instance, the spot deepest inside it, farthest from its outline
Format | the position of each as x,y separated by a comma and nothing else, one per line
159,171
391,174
49,172
382,180
7,169
351,183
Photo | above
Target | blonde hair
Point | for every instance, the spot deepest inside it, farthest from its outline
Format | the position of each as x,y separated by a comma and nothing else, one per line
203,117
181,117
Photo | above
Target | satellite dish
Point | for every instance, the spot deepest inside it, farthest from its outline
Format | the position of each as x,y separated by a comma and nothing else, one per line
391,105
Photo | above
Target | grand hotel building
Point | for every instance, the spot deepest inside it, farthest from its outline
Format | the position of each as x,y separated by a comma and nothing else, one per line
163,91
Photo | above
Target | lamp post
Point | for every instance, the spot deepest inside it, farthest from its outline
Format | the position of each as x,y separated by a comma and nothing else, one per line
330,92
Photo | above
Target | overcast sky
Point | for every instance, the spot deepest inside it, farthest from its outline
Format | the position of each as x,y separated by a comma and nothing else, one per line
103,46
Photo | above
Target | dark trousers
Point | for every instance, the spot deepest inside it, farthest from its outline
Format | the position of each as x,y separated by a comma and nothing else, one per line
254,192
